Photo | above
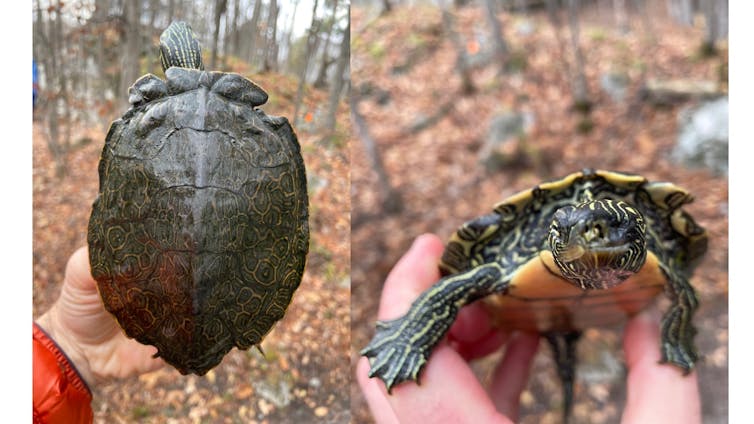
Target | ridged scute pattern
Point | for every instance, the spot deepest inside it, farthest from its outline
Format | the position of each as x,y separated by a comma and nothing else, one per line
199,235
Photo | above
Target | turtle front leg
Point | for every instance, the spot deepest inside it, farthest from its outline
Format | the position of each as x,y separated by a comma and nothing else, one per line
400,347
677,330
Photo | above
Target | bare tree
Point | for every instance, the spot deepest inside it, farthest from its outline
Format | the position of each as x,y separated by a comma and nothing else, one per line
41,46
154,9
500,46
220,6
393,203
271,46
325,59
716,20
462,62
290,32
311,40
579,87
386,7
641,7
339,77
254,30
620,14
682,11
132,48
171,9
235,35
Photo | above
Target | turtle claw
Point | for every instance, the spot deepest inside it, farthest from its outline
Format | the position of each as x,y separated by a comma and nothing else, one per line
392,356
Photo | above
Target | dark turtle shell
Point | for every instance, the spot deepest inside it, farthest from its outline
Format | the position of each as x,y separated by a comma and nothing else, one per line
199,234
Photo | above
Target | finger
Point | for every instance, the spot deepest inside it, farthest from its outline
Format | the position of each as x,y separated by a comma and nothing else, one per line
656,392
414,273
78,273
449,392
511,375
381,410
80,309
472,333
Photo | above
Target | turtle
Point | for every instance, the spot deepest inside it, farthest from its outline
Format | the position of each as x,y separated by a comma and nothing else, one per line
199,233
587,250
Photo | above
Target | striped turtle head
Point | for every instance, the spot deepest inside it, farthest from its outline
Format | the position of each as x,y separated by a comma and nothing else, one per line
598,243
180,47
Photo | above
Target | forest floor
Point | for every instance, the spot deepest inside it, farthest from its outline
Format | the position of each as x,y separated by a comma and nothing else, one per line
305,366
404,72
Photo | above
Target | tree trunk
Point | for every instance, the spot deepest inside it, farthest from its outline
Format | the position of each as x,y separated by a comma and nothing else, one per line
235,34
54,144
290,34
325,60
682,11
641,7
220,6
310,42
171,11
386,7
339,77
271,45
579,86
554,18
392,199
41,48
130,57
621,18
462,62
500,46
716,22
62,73
154,9
254,29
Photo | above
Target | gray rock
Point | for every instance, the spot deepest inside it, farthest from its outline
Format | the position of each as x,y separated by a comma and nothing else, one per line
503,138
703,136
615,85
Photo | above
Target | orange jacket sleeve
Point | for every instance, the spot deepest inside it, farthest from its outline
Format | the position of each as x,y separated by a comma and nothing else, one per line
60,394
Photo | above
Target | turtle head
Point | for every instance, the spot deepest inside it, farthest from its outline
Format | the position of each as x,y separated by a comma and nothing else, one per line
180,47
598,243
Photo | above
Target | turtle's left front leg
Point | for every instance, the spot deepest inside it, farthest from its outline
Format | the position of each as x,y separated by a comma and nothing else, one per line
677,328
401,346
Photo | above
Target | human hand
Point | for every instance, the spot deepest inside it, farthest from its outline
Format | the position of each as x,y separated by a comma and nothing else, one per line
657,393
88,334
449,391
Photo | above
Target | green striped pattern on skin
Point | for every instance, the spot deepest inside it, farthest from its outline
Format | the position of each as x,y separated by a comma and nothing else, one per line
485,254
401,347
180,47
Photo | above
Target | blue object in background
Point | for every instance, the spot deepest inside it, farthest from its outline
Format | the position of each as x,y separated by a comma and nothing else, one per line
34,82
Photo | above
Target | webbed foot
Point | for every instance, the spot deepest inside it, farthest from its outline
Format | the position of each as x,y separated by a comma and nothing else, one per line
392,356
